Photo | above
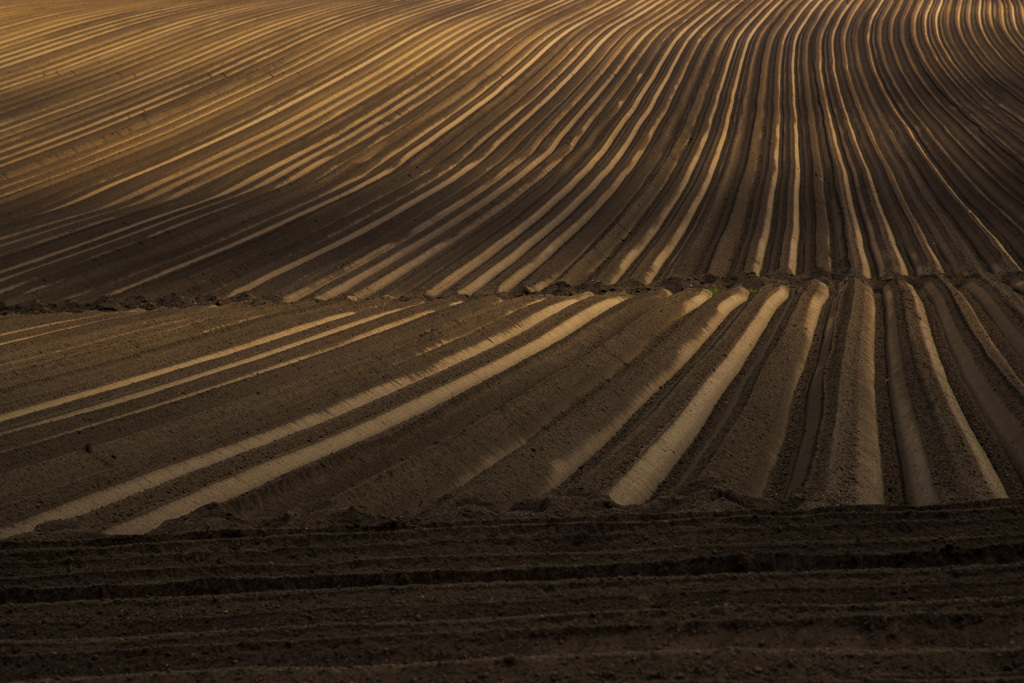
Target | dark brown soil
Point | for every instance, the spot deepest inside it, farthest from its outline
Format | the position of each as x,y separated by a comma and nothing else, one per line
866,593
511,340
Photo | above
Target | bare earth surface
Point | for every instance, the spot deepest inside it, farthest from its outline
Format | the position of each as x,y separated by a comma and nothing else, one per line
450,340
865,593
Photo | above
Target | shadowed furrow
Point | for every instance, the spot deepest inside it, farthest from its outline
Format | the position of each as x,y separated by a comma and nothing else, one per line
294,150
456,339
407,408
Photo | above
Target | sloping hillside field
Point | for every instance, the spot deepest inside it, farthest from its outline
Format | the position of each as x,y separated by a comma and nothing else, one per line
466,339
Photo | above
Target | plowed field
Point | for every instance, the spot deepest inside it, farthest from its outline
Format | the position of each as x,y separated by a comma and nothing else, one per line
462,339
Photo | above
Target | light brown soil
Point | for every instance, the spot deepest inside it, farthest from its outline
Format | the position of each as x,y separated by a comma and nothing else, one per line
294,150
511,340
177,424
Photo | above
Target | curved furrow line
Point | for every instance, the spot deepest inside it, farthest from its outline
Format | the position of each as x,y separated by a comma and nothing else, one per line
398,158
758,34
748,218
262,474
719,124
923,205
866,138
608,158
101,49
401,316
998,125
919,205
864,128
817,234
846,466
984,75
164,80
702,114
567,444
454,329
787,247
741,189
581,118
940,455
502,132
31,22
741,461
409,204
523,32
519,326
947,154
124,229
994,61
892,71
265,112
776,159
691,108
702,241
310,60
706,41
39,45
44,128
217,105
445,105
105,52
127,382
655,93
976,90
568,128
830,92
765,52
931,205
1017,24
594,357
652,467
411,99
758,209
789,253
995,388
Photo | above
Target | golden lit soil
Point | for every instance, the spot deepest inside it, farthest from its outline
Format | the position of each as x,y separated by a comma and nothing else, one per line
445,339
338,147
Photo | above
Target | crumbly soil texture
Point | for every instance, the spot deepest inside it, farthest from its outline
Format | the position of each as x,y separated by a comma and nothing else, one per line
877,593
519,340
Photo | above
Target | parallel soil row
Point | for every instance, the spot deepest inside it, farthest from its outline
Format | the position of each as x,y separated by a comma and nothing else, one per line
805,395
452,339
296,150
864,593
